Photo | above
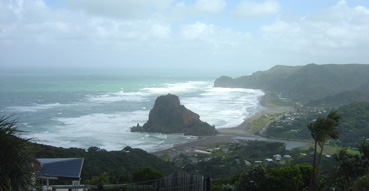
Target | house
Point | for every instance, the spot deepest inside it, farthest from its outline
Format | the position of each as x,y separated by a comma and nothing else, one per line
58,168
277,157
247,163
269,160
202,152
287,156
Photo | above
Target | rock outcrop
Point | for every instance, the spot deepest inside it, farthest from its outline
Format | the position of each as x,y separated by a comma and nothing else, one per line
169,116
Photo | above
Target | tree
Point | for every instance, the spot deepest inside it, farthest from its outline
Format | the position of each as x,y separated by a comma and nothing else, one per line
99,180
351,167
347,169
321,130
291,177
145,174
252,179
362,183
15,159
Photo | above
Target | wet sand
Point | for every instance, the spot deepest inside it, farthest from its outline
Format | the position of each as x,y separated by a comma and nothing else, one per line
225,134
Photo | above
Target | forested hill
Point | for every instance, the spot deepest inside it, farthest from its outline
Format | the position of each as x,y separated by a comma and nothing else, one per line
304,83
97,161
360,94
354,126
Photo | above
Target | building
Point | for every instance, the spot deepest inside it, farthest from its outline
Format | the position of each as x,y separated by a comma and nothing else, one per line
277,157
269,160
58,169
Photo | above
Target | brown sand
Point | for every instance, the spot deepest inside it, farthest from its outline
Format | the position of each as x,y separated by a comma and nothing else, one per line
225,134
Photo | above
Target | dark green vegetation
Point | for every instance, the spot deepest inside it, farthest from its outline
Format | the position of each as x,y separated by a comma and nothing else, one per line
291,177
232,165
342,171
321,130
354,127
15,158
307,83
145,174
360,94
312,91
223,160
355,123
292,125
139,175
169,116
119,165
352,170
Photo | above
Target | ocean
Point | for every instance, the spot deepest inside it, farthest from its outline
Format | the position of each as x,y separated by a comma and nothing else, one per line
84,109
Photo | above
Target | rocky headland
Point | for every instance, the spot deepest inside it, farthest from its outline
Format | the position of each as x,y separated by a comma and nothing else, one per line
169,116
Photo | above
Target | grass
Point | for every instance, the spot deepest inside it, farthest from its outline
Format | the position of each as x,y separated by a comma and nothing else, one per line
271,99
257,122
328,149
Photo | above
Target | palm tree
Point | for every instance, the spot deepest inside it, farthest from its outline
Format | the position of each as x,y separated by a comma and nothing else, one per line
321,130
15,158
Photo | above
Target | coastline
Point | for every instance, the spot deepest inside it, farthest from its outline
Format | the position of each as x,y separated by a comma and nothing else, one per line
228,134
242,129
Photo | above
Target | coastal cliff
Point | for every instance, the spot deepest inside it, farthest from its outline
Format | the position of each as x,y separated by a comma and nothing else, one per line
309,83
169,116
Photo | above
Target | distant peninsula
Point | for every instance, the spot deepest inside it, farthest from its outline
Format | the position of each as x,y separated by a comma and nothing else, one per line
169,116
312,84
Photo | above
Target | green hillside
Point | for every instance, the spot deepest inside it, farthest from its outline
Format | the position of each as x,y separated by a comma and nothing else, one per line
97,161
341,99
304,83
354,126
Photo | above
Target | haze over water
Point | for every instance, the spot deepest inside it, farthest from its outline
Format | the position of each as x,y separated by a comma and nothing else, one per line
97,109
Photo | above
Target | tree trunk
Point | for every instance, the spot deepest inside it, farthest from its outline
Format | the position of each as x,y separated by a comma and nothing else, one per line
312,186
320,154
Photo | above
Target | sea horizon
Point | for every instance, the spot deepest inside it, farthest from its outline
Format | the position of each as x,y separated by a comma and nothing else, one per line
84,109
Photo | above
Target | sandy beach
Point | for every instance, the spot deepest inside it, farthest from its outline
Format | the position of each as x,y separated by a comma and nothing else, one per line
225,134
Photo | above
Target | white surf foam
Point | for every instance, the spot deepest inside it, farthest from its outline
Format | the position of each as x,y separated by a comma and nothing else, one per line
107,131
118,96
178,88
36,107
223,107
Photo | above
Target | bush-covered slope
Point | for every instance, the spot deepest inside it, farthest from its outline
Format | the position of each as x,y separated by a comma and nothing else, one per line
258,80
305,83
353,128
341,99
98,161
355,123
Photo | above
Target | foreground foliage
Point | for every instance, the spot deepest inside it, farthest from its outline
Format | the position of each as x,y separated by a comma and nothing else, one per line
118,165
352,170
15,158
321,130
291,177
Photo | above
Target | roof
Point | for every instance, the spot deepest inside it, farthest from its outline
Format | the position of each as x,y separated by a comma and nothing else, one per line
69,168
202,152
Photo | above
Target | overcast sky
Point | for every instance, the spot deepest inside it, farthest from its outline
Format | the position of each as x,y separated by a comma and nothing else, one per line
214,34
